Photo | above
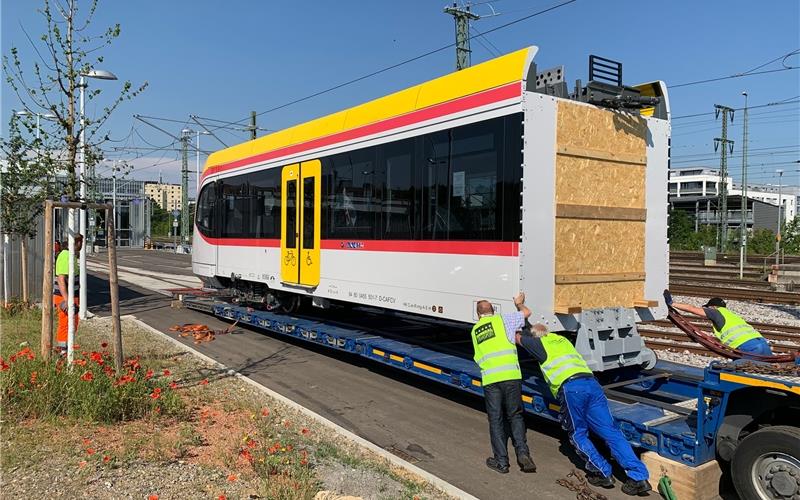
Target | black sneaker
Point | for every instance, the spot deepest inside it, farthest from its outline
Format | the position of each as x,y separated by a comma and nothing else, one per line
493,464
599,480
636,488
526,464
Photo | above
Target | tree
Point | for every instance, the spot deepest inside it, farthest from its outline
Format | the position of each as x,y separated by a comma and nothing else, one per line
791,236
160,220
70,50
680,230
761,242
22,191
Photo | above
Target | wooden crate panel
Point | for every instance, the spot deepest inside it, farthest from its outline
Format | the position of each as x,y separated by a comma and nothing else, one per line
593,128
585,246
585,181
594,295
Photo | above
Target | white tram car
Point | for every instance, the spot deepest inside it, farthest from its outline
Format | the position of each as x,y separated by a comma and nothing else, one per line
475,185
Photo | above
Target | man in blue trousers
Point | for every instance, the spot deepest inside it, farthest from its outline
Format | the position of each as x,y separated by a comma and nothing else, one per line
584,408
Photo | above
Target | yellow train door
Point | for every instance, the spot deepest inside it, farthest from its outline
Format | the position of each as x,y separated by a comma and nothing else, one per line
300,223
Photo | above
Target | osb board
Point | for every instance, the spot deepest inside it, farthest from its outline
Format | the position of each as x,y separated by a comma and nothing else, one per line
601,129
585,181
594,295
585,246
696,483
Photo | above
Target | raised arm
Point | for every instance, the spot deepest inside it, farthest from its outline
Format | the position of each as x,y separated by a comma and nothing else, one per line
697,311
519,302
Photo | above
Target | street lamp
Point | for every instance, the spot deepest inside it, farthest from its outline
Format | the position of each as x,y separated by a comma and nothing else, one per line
97,74
743,225
46,116
197,166
780,219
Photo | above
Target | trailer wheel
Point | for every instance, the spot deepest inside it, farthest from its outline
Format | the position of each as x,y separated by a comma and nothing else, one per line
766,464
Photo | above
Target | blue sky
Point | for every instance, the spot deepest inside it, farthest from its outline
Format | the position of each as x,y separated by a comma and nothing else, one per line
222,59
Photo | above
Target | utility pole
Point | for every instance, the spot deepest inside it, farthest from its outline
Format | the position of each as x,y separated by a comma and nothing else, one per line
743,226
780,218
726,145
462,17
185,133
252,126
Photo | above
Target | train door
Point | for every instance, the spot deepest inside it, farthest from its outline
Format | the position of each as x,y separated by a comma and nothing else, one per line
300,223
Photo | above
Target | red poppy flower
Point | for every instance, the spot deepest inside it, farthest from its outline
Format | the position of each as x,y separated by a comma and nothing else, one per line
305,431
246,455
167,373
87,441
156,393
232,477
104,345
82,464
148,375
152,497
106,459
87,376
3,365
222,497
264,412
33,377
90,451
173,385
79,362
204,381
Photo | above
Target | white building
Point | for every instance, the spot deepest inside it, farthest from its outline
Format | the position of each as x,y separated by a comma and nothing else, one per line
702,181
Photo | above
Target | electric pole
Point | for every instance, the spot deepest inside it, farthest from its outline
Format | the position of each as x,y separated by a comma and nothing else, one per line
252,126
726,145
185,186
462,17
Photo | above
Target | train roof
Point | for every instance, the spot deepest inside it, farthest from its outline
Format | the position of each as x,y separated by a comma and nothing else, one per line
497,76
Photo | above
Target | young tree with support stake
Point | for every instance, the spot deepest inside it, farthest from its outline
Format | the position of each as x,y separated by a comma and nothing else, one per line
22,191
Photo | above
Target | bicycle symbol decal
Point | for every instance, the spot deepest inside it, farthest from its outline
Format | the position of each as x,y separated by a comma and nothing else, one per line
290,259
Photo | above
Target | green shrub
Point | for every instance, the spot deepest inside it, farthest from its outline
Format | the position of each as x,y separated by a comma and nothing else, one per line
89,389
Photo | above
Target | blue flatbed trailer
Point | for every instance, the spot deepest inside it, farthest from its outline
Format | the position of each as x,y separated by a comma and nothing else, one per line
683,413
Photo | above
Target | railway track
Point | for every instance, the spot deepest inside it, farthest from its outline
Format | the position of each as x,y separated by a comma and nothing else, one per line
784,338
750,295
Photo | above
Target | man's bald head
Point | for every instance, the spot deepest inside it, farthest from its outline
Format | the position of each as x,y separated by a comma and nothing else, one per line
484,308
539,330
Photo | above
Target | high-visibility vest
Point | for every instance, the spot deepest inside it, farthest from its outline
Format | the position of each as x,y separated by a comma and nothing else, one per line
736,331
563,361
496,356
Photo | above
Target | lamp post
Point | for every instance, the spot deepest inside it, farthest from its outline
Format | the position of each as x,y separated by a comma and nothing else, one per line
743,225
780,218
197,167
39,116
98,74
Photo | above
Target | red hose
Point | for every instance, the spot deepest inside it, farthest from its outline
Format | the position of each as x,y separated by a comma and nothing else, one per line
710,342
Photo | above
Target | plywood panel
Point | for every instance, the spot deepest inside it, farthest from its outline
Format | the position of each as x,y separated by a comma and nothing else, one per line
595,295
568,211
584,181
593,128
596,154
599,246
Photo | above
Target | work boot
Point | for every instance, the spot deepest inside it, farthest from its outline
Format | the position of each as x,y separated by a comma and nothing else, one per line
493,464
526,464
636,488
599,480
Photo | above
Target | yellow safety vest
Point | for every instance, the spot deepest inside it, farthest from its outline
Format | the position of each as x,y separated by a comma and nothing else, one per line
495,355
563,361
736,331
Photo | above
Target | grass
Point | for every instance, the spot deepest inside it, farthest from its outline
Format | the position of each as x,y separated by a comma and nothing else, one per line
200,416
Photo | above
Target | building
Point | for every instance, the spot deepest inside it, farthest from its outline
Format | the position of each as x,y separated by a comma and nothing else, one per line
167,196
704,210
704,182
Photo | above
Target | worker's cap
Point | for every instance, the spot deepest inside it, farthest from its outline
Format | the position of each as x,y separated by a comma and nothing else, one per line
715,302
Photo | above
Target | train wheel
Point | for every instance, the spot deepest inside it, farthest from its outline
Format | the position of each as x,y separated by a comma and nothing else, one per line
766,464
290,303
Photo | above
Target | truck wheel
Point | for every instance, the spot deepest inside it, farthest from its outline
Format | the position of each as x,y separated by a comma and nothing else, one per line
766,464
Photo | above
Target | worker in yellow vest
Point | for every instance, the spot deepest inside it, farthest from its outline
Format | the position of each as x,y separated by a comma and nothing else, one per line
584,408
729,328
501,379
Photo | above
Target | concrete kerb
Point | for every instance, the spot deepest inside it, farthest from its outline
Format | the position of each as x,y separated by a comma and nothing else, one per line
427,476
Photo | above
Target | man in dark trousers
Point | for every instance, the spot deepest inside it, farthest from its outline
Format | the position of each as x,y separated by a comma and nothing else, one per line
729,328
501,379
584,408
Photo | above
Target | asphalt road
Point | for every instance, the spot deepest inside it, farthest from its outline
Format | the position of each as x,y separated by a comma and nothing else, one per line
442,430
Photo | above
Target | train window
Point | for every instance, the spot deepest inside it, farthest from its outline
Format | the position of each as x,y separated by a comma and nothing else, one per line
398,197
291,214
206,205
235,208
435,186
474,164
265,190
308,212
353,199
